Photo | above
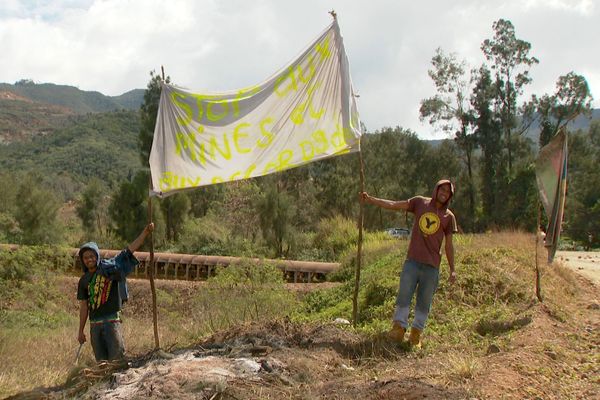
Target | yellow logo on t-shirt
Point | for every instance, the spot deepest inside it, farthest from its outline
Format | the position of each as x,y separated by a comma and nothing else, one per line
429,223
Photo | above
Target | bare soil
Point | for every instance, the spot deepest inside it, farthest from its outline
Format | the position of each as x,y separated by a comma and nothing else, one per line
586,263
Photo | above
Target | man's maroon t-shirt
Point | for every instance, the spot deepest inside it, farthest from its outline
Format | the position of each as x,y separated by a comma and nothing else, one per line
428,231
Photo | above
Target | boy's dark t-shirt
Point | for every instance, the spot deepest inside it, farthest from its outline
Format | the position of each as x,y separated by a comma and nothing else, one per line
101,293
102,289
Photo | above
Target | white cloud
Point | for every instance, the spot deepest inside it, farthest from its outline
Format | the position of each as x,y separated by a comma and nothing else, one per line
111,45
583,7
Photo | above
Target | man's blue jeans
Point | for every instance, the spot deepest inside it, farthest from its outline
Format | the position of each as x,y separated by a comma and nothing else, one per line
424,279
107,340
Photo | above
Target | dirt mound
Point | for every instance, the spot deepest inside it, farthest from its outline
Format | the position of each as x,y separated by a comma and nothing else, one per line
278,359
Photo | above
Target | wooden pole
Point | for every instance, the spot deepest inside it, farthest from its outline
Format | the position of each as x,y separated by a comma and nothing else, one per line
151,276
151,261
538,275
360,240
360,229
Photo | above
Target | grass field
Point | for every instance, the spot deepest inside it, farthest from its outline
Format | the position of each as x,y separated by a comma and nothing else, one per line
487,334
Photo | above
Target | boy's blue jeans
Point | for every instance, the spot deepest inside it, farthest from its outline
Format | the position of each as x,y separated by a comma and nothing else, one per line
424,279
107,340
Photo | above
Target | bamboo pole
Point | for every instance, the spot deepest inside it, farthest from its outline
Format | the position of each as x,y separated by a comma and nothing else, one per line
360,240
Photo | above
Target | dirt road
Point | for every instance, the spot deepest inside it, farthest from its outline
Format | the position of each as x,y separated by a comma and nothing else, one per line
587,263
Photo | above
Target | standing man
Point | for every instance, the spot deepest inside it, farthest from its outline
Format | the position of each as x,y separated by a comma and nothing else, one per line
433,223
101,292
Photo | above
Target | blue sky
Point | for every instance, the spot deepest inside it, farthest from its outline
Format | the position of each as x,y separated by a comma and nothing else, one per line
110,46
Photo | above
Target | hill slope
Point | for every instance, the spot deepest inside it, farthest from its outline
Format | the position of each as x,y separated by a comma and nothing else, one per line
71,97
100,145
22,119
29,110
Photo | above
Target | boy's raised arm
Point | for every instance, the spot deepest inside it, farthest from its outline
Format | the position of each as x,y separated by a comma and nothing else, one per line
135,245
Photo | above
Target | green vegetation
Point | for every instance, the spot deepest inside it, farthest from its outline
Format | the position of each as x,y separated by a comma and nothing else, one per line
583,200
21,120
244,292
28,277
91,164
95,145
492,299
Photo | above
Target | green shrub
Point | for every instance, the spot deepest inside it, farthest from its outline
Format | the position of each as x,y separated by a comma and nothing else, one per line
334,236
16,265
243,292
207,235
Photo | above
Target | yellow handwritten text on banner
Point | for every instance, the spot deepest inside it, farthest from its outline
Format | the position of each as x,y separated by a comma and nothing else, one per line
303,113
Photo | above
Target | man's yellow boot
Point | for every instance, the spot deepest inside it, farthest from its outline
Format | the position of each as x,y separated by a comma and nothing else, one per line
415,338
396,333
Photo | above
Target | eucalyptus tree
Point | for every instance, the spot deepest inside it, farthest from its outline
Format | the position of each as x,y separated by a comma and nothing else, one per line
571,99
489,137
148,115
450,109
385,171
510,63
128,209
276,212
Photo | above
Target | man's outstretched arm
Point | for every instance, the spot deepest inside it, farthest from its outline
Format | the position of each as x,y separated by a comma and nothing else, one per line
383,203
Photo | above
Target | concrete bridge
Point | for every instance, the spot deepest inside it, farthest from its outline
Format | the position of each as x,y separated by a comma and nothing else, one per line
199,267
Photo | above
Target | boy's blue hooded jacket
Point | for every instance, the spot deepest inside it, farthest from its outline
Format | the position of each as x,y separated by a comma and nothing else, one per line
116,268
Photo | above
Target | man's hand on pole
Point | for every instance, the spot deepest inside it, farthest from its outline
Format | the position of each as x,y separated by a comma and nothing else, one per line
363,197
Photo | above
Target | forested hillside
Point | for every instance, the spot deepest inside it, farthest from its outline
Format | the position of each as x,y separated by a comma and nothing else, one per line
75,149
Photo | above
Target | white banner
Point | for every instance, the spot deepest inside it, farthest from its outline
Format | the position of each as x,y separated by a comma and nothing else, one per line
304,113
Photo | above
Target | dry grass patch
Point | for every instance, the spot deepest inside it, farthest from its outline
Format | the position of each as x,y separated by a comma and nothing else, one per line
461,367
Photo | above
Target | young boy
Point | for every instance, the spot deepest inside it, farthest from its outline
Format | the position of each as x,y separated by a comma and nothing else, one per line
101,292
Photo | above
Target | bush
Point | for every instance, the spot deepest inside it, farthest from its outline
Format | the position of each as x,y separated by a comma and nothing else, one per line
9,228
23,263
16,265
207,235
243,292
334,236
28,285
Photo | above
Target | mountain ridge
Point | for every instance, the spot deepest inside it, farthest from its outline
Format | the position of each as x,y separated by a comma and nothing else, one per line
80,101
